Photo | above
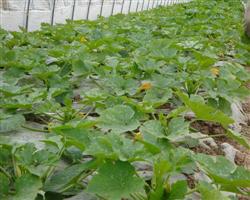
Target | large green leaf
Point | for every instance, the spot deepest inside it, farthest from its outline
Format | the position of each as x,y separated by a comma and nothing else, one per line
205,112
210,193
151,132
216,165
123,86
80,67
114,146
177,129
4,185
178,190
157,97
238,137
120,119
27,187
154,128
224,171
115,180
11,123
74,135
66,178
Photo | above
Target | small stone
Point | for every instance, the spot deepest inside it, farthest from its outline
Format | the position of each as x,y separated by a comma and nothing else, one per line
230,151
177,177
201,176
193,196
146,175
140,166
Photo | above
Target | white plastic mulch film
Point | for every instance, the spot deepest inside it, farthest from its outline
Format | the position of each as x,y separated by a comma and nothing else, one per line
30,14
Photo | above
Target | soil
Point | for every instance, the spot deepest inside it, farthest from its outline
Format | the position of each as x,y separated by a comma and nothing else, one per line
242,156
245,159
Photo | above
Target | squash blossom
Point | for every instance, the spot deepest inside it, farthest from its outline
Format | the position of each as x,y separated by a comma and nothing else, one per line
81,114
138,136
50,125
83,39
146,86
215,71
18,171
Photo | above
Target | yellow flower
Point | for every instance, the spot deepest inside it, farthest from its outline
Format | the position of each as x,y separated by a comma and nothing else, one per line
18,171
50,125
138,136
83,39
215,71
81,114
167,186
146,86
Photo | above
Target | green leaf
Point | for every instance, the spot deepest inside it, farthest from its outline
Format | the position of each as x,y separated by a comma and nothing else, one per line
114,146
4,185
83,196
209,193
176,112
161,169
123,86
11,123
115,180
152,131
218,165
157,97
154,128
80,68
205,112
164,53
223,171
240,177
177,129
74,135
120,119
66,178
178,190
27,187
238,137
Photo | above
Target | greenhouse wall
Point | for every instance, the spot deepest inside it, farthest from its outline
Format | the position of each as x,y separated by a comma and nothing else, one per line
30,14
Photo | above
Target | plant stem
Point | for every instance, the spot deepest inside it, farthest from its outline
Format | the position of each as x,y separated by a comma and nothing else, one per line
96,83
34,129
212,136
51,168
191,191
5,172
